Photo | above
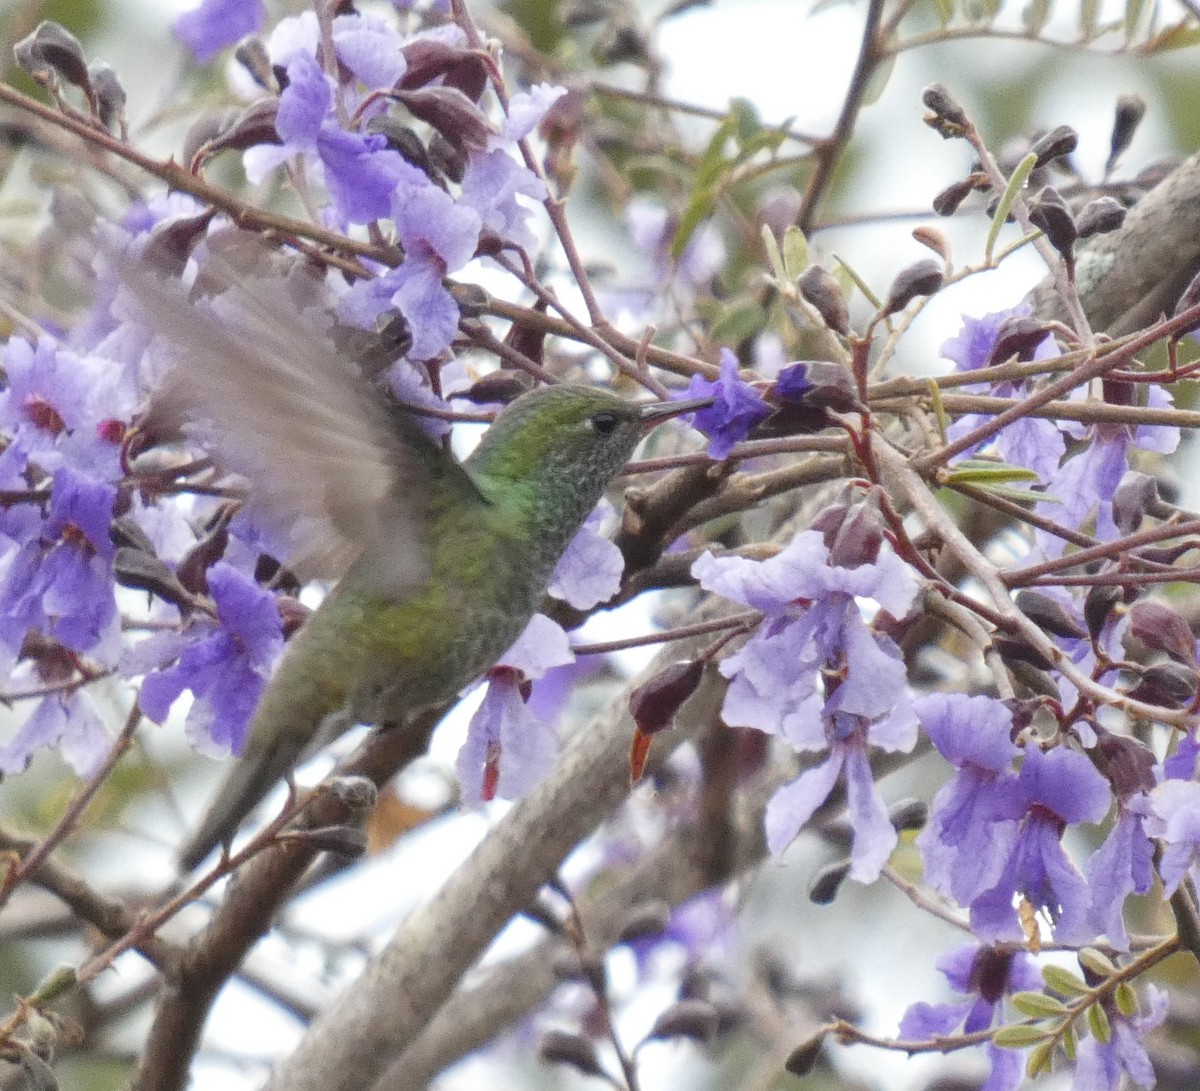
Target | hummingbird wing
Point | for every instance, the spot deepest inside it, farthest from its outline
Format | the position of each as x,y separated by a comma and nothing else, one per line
330,463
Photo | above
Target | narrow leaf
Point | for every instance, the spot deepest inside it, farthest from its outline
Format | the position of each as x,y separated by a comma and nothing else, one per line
1015,184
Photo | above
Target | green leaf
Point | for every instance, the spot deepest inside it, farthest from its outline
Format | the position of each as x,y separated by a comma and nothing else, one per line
1041,1059
978,471
699,208
1019,1036
1068,1042
747,123
1064,981
860,284
737,323
1097,1019
944,9
1011,191
795,253
878,80
774,257
1097,962
1037,1005
1126,1000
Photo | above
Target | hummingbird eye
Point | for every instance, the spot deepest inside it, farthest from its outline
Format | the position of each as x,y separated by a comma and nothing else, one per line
604,423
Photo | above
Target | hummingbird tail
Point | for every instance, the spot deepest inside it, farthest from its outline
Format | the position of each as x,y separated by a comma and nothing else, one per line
250,779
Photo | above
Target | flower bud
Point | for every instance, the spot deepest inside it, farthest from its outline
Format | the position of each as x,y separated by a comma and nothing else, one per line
694,1019
1161,628
1128,116
1019,336
922,278
1054,145
1049,616
655,702
1099,217
1049,212
819,288
1135,495
946,116
571,1049
1171,685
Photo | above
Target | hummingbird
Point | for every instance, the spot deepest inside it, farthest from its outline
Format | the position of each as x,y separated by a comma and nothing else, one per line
444,561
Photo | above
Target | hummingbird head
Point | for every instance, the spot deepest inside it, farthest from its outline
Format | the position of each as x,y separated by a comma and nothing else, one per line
562,445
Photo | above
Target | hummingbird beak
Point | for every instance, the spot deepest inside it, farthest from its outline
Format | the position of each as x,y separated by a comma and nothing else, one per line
654,413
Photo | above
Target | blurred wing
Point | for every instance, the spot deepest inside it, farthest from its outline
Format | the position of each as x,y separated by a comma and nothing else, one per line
331,466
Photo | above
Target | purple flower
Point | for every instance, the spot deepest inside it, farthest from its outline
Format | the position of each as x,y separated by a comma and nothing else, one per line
1175,818
63,409
818,676
65,721
984,975
1123,865
1085,485
59,581
589,571
736,411
1030,442
225,663
1056,788
215,24
963,844
508,749
1099,1065
361,172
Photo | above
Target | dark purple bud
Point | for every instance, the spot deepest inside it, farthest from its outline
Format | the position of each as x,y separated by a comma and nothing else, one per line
459,120
244,129
824,886
946,116
292,613
694,1019
251,54
818,384
1054,145
622,42
922,278
1019,336
819,287
498,386
1161,628
1012,649
110,96
803,1059
1098,606
1049,616
1128,116
528,339
354,792
1128,764
193,569
989,973
427,58
340,840
1171,685
853,529
644,919
1049,212
946,203
1099,217
126,532
574,1050
171,241
1149,177
402,138
52,50
1034,681
908,814
450,160
144,572
655,702
1135,495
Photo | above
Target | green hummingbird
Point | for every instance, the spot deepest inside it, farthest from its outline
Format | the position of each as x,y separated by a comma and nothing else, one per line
444,562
